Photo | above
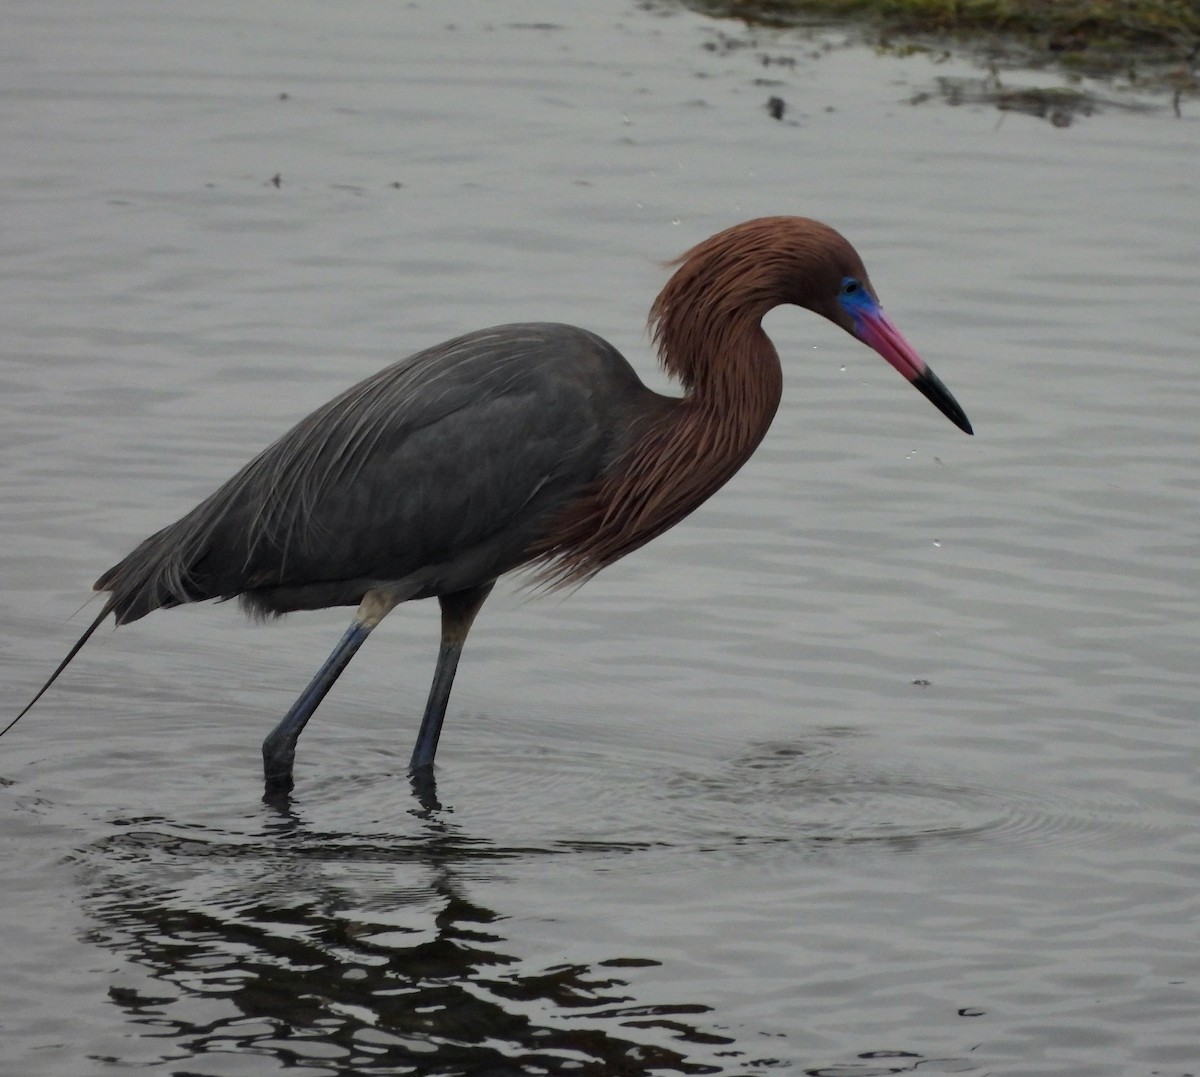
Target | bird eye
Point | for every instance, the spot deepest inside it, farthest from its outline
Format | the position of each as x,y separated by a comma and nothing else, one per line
850,286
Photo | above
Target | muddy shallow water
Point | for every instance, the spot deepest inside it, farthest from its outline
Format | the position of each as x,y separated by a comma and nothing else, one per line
884,761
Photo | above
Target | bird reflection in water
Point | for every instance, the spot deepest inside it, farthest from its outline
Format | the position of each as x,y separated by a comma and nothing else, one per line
358,954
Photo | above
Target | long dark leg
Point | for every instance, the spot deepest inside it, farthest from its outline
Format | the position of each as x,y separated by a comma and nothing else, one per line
458,613
279,749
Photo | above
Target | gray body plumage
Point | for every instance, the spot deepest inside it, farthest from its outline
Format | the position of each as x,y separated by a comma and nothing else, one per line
436,474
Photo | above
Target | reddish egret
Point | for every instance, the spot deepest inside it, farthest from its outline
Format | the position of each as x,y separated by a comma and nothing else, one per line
522,445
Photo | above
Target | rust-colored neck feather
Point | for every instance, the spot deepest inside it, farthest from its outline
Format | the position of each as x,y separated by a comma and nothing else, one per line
706,324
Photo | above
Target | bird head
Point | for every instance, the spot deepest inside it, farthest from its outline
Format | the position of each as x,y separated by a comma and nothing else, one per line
724,286
828,277
858,312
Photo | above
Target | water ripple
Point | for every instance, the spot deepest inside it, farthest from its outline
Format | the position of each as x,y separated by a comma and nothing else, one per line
821,794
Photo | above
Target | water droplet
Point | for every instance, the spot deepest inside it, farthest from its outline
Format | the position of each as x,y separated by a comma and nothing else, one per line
937,543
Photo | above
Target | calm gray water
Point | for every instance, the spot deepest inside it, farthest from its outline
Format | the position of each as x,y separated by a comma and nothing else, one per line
885,761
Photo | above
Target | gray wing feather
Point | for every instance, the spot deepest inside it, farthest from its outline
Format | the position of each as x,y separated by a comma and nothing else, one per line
446,462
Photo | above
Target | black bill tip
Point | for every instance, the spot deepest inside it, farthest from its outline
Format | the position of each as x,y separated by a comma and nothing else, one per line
930,386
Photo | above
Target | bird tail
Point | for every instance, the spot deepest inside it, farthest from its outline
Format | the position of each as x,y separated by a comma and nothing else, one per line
165,570
108,607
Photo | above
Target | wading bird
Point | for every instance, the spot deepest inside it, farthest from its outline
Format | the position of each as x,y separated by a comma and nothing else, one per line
522,445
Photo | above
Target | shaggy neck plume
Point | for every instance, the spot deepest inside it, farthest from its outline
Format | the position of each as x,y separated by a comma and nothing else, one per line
706,325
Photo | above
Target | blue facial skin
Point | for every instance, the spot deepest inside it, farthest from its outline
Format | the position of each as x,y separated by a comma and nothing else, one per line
857,302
